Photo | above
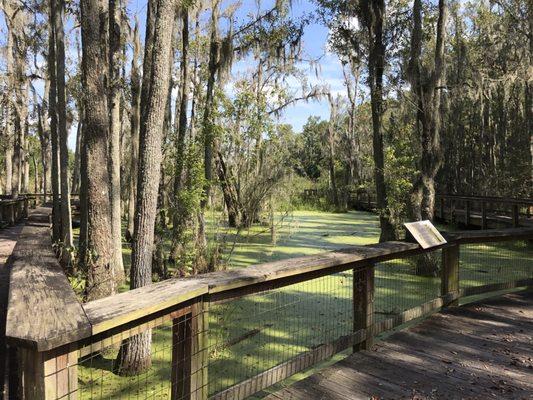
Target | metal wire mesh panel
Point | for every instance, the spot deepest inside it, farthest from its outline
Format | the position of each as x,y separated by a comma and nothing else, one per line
496,262
404,283
255,333
165,362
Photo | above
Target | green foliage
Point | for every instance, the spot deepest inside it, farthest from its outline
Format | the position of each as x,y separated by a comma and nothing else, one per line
309,153
400,169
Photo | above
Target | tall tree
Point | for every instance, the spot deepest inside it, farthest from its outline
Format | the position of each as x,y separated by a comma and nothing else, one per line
115,86
16,18
426,82
98,254
331,139
9,109
207,122
135,78
134,355
52,114
372,14
66,217
43,131
180,218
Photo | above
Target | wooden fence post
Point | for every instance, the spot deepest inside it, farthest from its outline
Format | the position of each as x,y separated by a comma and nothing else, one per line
11,213
516,216
26,207
483,215
363,305
190,354
49,375
450,274
452,211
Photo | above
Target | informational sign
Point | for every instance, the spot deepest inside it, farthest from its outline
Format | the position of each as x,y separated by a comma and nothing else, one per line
425,234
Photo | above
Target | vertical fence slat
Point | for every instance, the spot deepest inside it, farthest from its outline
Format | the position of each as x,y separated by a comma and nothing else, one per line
467,213
363,304
516,216
483,215
181,357
49,375
189,355
450,274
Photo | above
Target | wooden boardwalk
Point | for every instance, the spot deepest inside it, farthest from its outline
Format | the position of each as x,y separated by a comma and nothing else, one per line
8,239
480,351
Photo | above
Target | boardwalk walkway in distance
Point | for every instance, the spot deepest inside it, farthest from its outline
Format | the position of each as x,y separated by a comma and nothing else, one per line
483,350
8,239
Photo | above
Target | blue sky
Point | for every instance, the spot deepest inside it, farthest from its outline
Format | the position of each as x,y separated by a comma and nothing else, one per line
314,46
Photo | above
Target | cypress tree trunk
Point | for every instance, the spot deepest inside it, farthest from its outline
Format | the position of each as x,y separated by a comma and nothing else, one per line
101,281
10,129
135,123
331,151
134,356
16,20
114,133
75,187
44,139
66,217
52,113
179,218
374,15
207,129
426,86
529,95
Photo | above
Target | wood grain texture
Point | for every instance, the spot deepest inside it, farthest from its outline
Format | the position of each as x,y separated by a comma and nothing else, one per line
110,312
479,351
222,281
43,311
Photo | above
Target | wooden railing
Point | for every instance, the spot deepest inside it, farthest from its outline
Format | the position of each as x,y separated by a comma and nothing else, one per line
13,210
484,210
55,335
469,211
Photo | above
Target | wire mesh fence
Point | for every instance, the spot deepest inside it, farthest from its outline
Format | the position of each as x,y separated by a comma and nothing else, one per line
164,362
255,333
209,348
404,283
496,262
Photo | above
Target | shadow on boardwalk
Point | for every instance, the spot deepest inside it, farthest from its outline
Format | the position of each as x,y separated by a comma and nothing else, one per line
483,350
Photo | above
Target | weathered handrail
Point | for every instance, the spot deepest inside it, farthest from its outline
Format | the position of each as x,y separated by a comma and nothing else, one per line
13,210
495,199
512,211
46,321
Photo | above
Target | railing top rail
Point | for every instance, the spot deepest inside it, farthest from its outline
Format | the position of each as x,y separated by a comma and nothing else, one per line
510,200
45,194
463,237
7,200
44,312
111,312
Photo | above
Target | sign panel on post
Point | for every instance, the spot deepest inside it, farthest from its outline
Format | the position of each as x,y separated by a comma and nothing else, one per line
425,234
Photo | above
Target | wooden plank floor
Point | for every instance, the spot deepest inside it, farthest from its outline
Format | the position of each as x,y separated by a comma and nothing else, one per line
480,351
8,239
